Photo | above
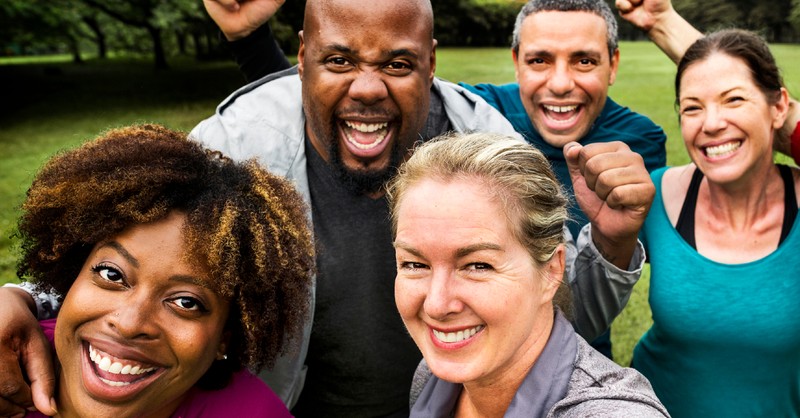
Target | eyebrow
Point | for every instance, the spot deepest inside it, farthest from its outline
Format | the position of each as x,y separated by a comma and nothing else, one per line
461,252
723,94
182,278
122,251
344,49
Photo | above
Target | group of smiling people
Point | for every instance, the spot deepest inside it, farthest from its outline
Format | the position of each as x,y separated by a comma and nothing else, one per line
180,272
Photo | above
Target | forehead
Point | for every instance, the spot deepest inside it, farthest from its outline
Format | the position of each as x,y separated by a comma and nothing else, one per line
385,25
705,75
563,31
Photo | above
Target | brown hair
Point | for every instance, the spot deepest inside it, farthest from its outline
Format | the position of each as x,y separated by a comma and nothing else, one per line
249,226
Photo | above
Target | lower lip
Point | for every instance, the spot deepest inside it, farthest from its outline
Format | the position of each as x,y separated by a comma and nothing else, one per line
99,390
456,345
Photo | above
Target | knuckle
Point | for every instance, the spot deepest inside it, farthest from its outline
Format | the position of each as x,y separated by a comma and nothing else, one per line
10,388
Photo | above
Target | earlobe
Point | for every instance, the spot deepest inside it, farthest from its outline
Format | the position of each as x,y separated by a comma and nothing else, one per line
553,272
301,52
222,350
614,66
515,58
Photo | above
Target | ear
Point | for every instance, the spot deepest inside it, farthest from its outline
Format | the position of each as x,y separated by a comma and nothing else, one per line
553,274
780,110
433,59
301,55
515,57
614,66
222,350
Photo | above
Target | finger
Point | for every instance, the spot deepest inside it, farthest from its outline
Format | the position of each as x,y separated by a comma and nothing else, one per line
38,364
230,5
635,197
572,152
624,6
13,388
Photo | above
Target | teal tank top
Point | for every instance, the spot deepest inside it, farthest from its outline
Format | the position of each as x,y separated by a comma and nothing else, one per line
725,340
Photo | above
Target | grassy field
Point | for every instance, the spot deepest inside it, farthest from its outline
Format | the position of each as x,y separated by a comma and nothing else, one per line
50,106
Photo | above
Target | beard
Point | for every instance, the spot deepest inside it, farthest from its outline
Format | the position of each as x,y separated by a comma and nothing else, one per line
361,182
358,181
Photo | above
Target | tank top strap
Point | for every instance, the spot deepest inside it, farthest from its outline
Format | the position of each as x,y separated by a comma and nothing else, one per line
685,224
789,201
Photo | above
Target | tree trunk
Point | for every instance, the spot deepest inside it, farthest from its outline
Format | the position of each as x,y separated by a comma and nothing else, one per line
159,57
99,36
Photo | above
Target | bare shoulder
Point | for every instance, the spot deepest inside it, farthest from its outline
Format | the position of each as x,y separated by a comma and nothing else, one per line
674,185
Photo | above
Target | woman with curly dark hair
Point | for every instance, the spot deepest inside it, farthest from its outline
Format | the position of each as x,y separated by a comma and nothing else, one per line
179,268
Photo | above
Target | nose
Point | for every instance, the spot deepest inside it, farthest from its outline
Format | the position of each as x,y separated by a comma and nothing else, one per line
442,298
368,87
560,81
136,317
714,120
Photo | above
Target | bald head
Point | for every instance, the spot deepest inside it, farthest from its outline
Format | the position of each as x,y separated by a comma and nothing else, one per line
413,11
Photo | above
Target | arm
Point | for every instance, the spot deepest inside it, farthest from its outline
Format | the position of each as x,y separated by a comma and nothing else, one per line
23,345
659,20
600,290
250,39
614,190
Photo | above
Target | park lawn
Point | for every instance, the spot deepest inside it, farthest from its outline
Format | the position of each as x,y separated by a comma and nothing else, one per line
52,106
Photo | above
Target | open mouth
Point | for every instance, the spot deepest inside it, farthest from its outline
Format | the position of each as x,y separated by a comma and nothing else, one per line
561,115
117,372
365,136
114,378
722,150
457,336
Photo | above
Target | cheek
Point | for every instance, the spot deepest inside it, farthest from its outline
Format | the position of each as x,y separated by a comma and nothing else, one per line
409,297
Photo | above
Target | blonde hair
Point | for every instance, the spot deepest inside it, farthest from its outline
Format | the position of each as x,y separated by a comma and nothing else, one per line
519,174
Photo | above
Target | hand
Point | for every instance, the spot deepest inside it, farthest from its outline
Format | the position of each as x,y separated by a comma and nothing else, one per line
239,18
644,13
614,190
22,344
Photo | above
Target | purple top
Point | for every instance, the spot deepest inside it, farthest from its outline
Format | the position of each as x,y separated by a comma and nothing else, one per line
246,395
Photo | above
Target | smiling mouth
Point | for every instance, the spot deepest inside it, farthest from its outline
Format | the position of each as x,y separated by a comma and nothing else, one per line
722,150
118,372
365,136
455,337
561,114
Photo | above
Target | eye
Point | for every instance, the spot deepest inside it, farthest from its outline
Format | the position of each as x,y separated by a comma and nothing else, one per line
479,266
108,273
188,304
398,68
337,63
689,110
536,61
586,63
412,265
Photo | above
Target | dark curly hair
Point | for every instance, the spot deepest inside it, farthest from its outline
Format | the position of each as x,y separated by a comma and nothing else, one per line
250,226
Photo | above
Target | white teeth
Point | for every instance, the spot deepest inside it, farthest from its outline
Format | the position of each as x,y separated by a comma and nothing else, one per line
105,364
454,337
366,127
560,109
113,383
724,149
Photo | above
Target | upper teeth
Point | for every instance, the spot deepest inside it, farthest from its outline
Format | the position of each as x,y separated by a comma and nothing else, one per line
106,364
560,109
720,150
454,337
366,127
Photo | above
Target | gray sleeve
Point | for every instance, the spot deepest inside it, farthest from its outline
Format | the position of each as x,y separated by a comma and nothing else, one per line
600,290
421,376
47,303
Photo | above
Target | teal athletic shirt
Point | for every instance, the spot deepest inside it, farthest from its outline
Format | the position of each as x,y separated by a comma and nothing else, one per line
615,123
726,338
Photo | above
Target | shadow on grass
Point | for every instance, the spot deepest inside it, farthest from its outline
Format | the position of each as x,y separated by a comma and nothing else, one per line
36,90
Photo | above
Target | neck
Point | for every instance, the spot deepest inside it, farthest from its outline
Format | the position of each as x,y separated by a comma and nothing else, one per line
739,204
491,395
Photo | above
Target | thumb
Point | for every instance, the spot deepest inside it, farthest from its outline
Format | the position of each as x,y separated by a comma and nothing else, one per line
39,367
572,152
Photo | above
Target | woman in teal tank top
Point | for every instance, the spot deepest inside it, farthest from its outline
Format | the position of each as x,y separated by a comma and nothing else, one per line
723,244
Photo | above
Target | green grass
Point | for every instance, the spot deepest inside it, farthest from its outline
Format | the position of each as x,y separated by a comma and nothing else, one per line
50,105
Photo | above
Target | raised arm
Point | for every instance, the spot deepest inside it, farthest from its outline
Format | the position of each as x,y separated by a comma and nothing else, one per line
245,26
614,190
659,20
